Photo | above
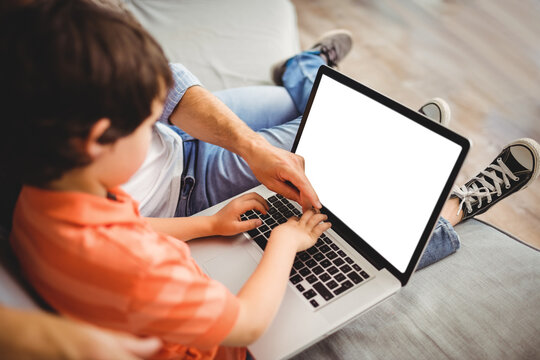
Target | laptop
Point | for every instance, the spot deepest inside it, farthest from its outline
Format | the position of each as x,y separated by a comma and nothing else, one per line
382,173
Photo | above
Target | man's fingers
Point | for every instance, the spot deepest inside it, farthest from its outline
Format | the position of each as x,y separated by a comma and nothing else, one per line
285,190
307,193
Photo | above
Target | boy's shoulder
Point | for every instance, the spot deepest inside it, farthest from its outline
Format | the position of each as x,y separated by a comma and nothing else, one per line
109,228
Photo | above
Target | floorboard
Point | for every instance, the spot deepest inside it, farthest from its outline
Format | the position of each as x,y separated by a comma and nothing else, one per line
483,57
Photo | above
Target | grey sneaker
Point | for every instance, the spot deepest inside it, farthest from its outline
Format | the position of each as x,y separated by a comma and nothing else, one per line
514,169
437,110
334,46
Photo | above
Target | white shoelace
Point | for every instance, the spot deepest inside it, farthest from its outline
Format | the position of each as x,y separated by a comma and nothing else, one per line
469,195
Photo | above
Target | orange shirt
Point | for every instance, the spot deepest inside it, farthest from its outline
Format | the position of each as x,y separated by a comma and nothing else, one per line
98,260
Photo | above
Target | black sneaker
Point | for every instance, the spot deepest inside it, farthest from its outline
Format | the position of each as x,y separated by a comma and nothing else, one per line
437,110
514,169
334,46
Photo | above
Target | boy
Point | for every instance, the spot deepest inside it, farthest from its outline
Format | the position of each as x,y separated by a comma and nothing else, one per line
85,89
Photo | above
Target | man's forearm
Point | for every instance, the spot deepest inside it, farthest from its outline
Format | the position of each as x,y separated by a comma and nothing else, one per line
205,117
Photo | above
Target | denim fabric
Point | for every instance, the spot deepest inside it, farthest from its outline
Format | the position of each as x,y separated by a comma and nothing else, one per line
300,75
213,174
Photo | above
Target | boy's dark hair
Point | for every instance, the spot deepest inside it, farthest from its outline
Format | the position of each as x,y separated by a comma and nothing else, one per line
65,65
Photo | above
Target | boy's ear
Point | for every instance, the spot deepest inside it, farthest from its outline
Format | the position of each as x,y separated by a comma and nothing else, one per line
91,146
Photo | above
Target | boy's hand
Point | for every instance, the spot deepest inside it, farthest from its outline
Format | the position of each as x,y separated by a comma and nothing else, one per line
305,231
227,220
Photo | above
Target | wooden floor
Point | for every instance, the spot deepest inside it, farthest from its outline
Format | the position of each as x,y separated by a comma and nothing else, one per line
482,56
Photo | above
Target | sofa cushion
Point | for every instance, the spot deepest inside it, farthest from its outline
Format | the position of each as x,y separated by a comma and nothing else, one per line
482,302
224,43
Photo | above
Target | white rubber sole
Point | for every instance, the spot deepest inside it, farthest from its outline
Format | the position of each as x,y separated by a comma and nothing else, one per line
535,149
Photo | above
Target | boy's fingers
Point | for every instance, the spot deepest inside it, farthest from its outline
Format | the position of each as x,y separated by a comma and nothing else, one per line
256,197
315,219
248,225
251,204
308,214
322,227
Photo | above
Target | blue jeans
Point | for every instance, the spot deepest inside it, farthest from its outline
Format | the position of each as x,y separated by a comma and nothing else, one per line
213,174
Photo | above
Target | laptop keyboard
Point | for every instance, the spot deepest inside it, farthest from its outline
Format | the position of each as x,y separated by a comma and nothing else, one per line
321,273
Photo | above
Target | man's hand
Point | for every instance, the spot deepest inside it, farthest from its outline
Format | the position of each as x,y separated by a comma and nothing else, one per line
206,118
37,335
283,172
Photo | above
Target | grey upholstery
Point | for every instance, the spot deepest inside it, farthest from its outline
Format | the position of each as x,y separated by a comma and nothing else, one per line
481,303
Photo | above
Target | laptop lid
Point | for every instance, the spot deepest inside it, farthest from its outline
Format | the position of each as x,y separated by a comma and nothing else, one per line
382,171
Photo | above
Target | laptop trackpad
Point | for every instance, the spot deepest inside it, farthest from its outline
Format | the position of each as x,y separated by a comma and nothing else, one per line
232,268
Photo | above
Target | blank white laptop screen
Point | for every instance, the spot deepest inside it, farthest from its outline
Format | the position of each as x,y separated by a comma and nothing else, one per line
378,171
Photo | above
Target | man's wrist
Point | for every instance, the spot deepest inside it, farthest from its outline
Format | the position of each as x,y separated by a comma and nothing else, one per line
251,145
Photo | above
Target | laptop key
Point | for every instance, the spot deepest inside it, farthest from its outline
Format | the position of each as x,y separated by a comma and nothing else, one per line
297,212
341,253
344,287
345,268
314,303
263,228
334,247
324,248
298,265
303,256
318,256
323,291
338,262
304,272
261,241
325,263
296,279
332,284
311,263
293,271
300,288
355,277
340,277
312,250
331,255
272,199
364,274
253,232
311,279
317,270
356,267
349,260
324,277
310,293
332,270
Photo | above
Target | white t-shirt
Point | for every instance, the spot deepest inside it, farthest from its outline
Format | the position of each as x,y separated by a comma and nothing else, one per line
156,185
